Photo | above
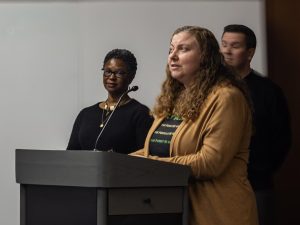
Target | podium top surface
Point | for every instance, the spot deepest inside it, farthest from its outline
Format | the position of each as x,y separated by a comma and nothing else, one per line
95,169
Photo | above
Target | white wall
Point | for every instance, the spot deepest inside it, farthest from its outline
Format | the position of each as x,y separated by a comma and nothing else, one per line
145,28
51,53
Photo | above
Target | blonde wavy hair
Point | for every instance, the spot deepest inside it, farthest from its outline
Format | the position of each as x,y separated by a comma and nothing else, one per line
175,99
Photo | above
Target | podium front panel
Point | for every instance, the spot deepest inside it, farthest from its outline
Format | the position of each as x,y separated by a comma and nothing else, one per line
99,188
56,205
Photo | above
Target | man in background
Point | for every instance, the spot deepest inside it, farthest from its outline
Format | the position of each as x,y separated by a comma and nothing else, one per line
271,139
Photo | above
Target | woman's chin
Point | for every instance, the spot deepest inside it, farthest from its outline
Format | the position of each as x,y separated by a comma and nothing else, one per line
115,90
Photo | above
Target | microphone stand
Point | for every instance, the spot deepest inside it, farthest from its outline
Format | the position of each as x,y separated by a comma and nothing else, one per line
134,88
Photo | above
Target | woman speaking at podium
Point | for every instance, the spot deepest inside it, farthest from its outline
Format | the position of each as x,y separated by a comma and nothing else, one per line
119,123
203,120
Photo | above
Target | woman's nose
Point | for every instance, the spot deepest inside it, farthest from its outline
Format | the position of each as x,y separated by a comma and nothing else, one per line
173,55
113,76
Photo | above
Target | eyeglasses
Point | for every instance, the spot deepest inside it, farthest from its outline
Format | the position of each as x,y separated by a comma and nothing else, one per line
118,73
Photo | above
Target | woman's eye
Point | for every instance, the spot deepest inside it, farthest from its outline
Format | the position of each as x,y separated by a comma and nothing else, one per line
184,49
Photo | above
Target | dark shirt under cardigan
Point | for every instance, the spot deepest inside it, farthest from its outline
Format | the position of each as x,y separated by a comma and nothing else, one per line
272,133
125,132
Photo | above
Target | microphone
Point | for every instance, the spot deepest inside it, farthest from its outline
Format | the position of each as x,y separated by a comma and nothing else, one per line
133,88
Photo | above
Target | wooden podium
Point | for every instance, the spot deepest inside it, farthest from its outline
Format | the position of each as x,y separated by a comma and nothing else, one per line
99,188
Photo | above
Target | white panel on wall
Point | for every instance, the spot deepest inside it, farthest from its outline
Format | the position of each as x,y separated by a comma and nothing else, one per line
38,86
51,53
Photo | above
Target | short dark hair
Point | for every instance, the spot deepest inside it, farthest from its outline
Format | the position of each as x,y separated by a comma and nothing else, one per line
249,34
126,56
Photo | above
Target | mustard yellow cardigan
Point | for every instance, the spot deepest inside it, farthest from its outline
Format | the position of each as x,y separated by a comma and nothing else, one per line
215,146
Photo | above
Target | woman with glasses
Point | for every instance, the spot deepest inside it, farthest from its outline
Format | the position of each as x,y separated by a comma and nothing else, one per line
104,127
